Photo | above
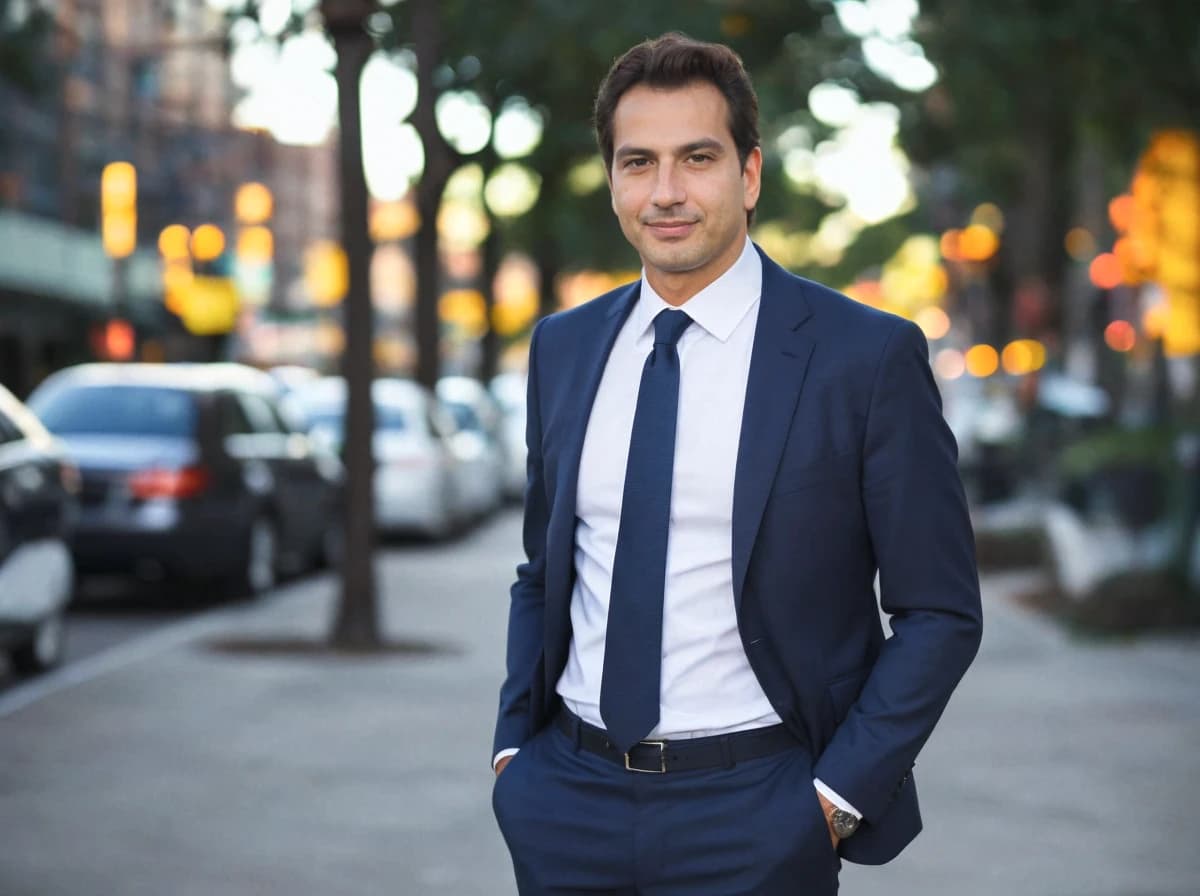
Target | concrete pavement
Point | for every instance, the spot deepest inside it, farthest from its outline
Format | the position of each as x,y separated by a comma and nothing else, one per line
189,766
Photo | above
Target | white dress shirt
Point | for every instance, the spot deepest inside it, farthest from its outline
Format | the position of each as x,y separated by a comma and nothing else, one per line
707,685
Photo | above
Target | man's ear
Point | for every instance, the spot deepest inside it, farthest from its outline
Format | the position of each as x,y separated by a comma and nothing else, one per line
752,178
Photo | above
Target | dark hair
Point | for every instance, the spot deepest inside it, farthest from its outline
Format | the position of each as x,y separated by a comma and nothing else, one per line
676,60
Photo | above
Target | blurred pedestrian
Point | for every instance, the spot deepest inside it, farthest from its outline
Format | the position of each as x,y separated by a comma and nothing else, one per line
699,697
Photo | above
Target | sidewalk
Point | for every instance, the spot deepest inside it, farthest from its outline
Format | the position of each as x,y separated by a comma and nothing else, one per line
1061,769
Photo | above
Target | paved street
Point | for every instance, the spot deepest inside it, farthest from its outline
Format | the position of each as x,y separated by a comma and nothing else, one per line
203,763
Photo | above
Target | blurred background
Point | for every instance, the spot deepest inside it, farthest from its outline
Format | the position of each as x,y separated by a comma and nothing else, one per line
1023,182
248,331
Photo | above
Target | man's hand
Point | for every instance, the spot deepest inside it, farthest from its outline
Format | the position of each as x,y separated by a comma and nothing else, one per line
826,808
500,766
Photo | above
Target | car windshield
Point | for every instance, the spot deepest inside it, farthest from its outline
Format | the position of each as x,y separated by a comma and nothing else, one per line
464,416
330,419
117,410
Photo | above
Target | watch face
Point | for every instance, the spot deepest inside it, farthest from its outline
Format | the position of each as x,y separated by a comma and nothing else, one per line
844,824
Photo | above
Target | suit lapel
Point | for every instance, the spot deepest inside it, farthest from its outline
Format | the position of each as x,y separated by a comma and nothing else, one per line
778,363
587,370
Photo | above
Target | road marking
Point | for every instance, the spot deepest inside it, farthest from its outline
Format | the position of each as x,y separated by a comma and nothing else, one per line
130,652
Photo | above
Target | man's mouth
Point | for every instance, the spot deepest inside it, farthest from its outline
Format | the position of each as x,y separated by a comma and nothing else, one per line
671,229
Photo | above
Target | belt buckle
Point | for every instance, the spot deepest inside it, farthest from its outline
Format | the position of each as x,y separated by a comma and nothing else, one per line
662,758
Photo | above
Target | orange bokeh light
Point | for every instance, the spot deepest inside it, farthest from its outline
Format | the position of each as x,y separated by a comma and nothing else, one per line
982,360
1120,336
1120,212
933,321
978,243
949,245
1105,271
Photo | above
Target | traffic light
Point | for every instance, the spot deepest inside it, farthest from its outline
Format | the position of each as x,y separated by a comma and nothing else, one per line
118,209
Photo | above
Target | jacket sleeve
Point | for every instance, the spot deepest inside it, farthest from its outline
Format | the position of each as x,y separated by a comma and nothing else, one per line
527,595
920,533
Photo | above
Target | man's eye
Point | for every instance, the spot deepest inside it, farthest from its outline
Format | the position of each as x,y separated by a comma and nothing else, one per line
637,163
700,157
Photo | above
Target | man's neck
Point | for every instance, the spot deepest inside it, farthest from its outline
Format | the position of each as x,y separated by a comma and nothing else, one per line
677,288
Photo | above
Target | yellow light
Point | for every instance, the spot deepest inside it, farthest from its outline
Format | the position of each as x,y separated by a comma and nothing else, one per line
173,242
1120,336
982,360
978,243
1080,244
1019,357
256,243
177,280
210,306
1154,320
253,203
1181,337
326,273
118,232
933,321
208,242
394,221
949,364
118,187
464,308
989,216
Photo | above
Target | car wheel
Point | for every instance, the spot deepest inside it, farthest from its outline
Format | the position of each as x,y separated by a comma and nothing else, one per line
261,559
44,651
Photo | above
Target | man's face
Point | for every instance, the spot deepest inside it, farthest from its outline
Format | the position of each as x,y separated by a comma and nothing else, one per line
677,186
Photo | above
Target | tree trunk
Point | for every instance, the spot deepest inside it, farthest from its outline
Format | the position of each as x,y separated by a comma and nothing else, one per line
489,348
440,162
357,623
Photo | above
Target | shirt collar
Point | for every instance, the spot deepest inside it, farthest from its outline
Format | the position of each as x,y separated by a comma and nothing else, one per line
719,307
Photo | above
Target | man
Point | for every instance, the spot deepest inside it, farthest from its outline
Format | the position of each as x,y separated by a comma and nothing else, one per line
700,698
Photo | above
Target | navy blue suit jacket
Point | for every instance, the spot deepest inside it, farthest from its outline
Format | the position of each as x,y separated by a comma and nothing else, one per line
845,467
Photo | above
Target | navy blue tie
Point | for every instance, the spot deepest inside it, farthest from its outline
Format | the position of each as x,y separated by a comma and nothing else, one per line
629,687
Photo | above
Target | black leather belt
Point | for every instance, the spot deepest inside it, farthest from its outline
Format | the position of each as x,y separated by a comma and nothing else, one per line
658,757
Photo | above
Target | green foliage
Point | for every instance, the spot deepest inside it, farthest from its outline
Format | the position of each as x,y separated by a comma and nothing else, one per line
1148,447
24,33
554,53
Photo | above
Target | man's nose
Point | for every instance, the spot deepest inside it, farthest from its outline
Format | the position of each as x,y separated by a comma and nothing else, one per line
668,188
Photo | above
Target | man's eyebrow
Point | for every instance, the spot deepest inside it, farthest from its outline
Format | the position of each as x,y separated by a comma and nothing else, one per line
697,145
707,143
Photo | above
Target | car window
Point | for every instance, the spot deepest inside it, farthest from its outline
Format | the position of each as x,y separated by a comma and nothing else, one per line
233,421
331,417
464,416
118,410
259,412
9,431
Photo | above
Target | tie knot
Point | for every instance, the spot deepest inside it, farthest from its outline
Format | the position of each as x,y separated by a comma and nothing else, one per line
669,326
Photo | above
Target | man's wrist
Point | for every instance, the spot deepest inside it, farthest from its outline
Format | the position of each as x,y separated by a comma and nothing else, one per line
502,755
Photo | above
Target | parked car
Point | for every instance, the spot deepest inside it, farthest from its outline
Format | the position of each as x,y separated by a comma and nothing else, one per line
477,442
39,487
419,480
509,391
190,471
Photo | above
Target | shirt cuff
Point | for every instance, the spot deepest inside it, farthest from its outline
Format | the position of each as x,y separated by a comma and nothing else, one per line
504,754
833,797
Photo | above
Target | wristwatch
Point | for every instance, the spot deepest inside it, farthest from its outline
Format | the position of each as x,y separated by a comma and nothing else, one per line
842,822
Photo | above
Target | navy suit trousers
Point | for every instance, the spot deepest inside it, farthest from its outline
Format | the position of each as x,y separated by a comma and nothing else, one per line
577,823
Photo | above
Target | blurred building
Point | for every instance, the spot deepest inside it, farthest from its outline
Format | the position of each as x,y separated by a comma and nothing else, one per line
143,81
